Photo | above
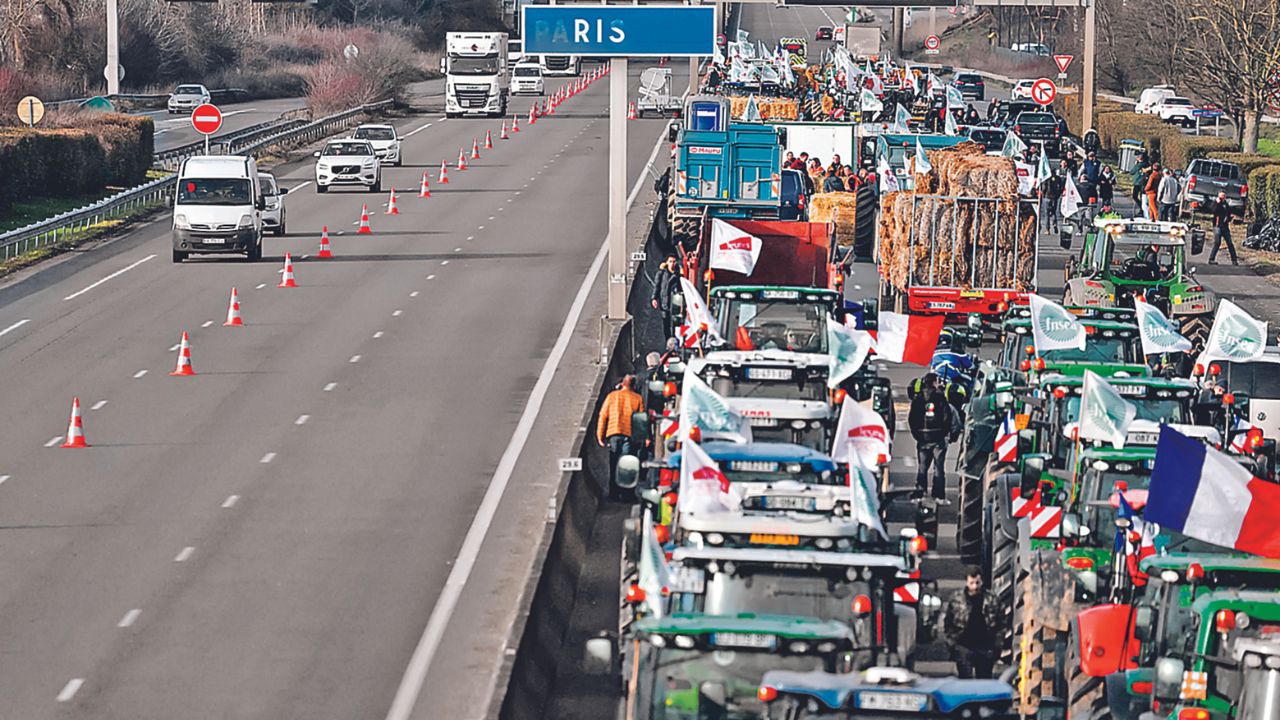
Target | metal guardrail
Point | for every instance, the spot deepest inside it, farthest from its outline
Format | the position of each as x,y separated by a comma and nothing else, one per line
222,94
171,158
74,223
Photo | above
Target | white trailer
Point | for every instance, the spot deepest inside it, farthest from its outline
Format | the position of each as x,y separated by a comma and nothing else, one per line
477,77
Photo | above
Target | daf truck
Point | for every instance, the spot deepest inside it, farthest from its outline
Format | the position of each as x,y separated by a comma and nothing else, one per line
477,78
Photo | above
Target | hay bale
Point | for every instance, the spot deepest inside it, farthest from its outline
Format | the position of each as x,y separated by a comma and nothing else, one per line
770,108
840,209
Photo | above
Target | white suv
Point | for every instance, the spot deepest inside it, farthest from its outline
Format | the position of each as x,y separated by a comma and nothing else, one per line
526,79
1021,90
186,98
385,142
348,162
1177,110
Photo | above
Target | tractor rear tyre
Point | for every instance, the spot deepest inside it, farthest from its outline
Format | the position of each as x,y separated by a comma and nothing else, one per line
973,492
1196,329
1086,695
1038,647
1004,555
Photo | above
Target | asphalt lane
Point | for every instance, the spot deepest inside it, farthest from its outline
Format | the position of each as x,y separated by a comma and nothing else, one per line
268,539
175,130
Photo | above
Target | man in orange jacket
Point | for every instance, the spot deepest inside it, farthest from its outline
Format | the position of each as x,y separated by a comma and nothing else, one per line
613,429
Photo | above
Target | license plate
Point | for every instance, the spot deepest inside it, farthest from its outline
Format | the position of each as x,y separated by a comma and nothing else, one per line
1131,389
213,241
940,306
1140,227
768,374
686,579
780,295
910,702
747,640
762,422
774,539
753,466
786,502
1143,438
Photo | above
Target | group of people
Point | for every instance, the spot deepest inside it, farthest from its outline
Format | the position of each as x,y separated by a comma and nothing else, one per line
834,177
1157,193
1095,180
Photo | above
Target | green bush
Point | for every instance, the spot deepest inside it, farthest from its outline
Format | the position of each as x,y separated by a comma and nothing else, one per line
1248,162
1264,191
1114,127
57,162
1178,150
1069,108
127,140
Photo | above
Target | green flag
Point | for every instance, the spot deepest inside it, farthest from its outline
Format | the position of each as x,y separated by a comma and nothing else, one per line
1104,414
847,350
1013,145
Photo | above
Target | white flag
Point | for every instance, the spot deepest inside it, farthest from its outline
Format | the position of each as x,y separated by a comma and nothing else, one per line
862,438
955,99
1071,201
733,249
869,103
901,120
1013,145
951,128
1104,414
847,350
699,316
1158,334
888,181
865,499
1043,171
922,160
751,113
1236,335
703,487
710,412
1053,328
654,574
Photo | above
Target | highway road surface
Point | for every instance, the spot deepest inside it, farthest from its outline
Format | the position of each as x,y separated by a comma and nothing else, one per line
269,539
173,130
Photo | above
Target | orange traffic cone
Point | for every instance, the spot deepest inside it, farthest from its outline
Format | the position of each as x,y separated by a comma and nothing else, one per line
364,228
233,311
631,111
425,190
533,116
75,428
488,140
391,204
325,251
286,280
462,159
503,136
444,173
475,149
515,123
184,358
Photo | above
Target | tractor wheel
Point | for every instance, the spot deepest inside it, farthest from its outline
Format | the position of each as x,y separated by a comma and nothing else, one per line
1004,555
969,524
684,231
1196,329
1037,656
1086,695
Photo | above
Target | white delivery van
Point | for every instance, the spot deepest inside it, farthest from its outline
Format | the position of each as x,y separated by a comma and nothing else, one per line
218,207
526,79
1153,96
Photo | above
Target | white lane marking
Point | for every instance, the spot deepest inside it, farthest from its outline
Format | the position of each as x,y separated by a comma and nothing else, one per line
231,501
185,554
415,292
354,359
207,323
15,326
299,186
444,262
99,405
330,386
457,249
411,133
377,335
260,286
302,420
175,347
471,237
397,313
56,439
139,374
415,674
69,691
267,458
115,274
482,227
129,618
3,478
490,217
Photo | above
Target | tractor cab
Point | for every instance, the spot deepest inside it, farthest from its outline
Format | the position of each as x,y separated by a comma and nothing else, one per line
881,693
783,394
774,318
860,589
1111,348
694,666
1121,259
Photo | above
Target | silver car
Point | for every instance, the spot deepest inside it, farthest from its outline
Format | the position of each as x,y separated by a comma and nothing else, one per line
186,98
385,142
348,162
273,212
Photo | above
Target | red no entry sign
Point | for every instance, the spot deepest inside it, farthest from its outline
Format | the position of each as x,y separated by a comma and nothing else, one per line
1043,91
932,42
206,119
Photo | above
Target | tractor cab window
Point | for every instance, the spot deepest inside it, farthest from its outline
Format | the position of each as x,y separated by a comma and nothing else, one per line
1133,261
763,325
680,679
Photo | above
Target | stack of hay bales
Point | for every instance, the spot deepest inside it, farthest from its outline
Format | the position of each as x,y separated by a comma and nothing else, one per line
841,210
928,237
770,108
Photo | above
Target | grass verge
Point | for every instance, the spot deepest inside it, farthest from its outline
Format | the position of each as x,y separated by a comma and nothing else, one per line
26,212
97,231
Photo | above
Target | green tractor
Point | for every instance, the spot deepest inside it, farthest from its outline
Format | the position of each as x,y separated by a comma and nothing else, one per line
1122,259
1166,653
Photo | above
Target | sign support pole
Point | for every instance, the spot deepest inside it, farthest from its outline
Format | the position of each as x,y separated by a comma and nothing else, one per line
1090,40
617,263
113,48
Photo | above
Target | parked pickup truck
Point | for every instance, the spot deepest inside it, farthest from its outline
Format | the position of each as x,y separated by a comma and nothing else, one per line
1205,178
1040,127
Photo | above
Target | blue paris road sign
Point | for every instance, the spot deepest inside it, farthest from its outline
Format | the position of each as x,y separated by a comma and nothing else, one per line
619,31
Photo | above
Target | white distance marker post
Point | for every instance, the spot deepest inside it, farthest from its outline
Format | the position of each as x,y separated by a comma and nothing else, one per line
617,188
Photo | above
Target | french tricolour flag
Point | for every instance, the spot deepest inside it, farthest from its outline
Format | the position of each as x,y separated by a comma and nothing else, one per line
1204,494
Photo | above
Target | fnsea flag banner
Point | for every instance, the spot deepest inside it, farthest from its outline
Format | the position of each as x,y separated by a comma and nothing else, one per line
703,487
699,315
862,438
1203,493
733,249
908,338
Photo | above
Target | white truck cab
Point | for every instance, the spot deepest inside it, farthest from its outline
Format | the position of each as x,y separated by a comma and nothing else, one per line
526,79
561,65
218,207
477,77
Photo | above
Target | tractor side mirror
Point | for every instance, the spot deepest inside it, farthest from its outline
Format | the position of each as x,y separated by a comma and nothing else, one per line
627,474
673,131
714,693
1064,237
1032,471
598,655
640,428
1143,622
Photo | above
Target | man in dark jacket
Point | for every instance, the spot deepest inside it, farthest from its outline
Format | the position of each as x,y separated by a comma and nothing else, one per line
832,183
665,284
1050,193
932,423
1222,214
970,623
